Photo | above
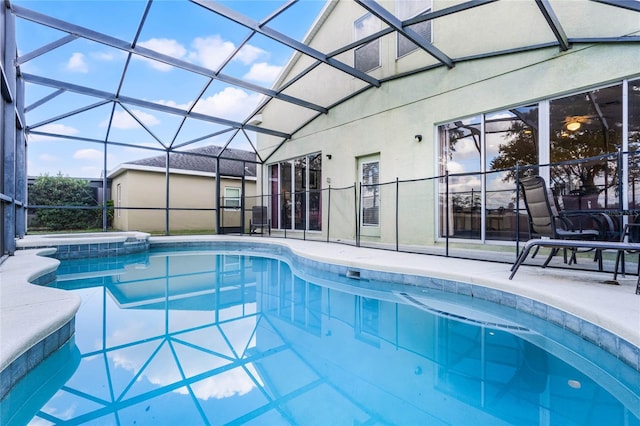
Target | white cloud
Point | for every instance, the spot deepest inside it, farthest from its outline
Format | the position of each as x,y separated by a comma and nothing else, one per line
466,146
88,154
77,63
210,51
263,72
230,103
123,120
454,167
224,385
54,128
249,54
165,46
174,104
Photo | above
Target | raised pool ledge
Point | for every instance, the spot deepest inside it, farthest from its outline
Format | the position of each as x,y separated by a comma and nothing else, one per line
35,320
88,244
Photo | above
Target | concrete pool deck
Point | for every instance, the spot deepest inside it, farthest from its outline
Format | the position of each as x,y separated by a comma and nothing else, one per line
29,313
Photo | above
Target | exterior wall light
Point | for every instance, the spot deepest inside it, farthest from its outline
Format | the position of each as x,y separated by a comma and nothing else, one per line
328,156
572,126
418,138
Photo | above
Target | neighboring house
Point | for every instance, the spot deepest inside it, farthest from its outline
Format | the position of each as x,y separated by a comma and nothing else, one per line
514,95
138,191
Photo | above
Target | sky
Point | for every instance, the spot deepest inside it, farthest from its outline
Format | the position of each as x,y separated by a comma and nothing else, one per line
180,29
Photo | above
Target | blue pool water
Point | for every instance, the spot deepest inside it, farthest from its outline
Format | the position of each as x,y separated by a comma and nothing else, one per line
205,337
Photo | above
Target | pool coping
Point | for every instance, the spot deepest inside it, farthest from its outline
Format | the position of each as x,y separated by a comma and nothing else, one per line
547,293
34,320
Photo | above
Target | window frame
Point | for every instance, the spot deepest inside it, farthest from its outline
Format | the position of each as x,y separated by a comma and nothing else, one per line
376,194
357,37
278,200
399,36
545,126
237,198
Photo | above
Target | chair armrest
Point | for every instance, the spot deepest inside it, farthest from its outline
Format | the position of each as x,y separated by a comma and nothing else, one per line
604,224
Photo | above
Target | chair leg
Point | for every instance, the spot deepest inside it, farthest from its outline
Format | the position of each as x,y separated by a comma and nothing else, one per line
535,251
554,251
638,272
598,258
618,257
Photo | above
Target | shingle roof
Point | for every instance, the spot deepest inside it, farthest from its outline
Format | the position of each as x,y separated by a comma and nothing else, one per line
233,162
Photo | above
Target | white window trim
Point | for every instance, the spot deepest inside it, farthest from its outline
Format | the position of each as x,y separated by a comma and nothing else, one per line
362,224
238,198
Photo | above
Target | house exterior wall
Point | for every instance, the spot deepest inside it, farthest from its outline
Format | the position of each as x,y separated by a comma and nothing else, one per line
187,191
383,121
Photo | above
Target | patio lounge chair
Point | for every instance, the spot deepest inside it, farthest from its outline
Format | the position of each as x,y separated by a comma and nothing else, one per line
620,246
546,222
259,220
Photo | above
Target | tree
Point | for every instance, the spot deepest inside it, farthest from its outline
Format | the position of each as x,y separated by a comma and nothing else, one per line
64,191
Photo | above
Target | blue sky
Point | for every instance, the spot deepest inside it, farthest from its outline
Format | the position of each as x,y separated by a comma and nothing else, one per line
177,28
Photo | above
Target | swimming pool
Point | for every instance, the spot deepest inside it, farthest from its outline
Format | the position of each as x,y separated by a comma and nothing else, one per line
239,336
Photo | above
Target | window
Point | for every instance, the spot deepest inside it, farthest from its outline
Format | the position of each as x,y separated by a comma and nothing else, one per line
296,193
367,323
231,197
483,192
633,135
481,154
370,196
408,9
367,57
585,125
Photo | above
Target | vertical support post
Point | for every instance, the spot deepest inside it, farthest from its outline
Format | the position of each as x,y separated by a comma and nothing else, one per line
167,178
446,215
397,213
10,133
517,209
621,204
357,208
105,211
242,189
21,165
217,194
328,212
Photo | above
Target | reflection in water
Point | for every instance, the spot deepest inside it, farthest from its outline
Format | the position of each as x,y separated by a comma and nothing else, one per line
206,338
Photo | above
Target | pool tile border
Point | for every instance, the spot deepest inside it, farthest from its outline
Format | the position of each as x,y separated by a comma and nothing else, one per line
92,249
30,359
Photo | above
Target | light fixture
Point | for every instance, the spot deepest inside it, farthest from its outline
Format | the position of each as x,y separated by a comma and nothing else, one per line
573,125
328,156
418,138
574,384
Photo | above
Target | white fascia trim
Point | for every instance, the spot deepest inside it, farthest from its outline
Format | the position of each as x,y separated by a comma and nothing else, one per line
126,167
313,30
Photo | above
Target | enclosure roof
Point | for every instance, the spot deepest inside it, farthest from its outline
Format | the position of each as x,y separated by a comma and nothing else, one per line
174,76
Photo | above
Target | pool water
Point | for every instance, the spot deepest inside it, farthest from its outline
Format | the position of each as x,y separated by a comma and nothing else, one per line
204,337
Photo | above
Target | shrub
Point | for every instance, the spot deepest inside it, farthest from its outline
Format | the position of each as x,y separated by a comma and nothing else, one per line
64,191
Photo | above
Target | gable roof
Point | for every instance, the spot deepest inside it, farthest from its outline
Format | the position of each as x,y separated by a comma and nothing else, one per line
233,162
